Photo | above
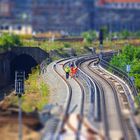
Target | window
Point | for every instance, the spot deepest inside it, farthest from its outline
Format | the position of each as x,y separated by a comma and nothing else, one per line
19,27
6,27
1,27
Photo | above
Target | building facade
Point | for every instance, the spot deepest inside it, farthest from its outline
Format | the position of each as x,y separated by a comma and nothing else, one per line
119,4
15,16
71,16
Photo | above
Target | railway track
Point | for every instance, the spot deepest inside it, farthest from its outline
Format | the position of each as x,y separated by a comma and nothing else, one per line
122,129
67,128
75,124
99,105
123,93
111,112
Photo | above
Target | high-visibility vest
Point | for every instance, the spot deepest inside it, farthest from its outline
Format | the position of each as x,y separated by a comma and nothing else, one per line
67,69
72,69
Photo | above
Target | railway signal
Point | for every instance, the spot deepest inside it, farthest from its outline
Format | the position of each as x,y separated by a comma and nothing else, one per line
19,82
19,88
128,68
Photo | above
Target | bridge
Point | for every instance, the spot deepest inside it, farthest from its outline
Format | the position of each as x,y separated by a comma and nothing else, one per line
19,58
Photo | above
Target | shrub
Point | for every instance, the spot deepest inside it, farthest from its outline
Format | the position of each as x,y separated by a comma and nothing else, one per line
9,40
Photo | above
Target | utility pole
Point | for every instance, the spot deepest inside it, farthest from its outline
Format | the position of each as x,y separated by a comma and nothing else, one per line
19,88
101,40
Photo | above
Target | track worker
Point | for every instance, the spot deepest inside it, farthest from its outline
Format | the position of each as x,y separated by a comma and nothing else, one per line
67,71
74,71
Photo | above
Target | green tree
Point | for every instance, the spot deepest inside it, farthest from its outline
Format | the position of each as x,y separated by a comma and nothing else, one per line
135,67
9,40
137,54
119,61
130,55
67,45
89,36
124,34
105,32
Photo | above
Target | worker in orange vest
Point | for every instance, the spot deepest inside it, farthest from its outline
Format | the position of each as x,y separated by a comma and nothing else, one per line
73,71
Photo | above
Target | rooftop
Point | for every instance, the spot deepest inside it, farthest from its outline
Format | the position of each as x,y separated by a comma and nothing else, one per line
122,1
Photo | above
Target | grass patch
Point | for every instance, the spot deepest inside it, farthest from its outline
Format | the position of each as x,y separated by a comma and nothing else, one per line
36,93
137,101
79,46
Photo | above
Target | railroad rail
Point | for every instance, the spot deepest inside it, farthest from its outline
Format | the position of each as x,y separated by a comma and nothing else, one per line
67,112
105,90
125,126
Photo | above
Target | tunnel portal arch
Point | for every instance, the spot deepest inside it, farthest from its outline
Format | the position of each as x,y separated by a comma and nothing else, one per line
23,62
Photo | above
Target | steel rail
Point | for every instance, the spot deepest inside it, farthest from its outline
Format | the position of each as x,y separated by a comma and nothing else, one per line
93,87
125,136
131,117
56,137
102,98
70,96
69,102
81,110
121,74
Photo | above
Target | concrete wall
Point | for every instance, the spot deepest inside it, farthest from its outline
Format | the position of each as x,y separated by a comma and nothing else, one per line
5,59
38,54
4,69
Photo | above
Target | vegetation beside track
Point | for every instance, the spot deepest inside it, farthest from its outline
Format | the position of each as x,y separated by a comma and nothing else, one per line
9,40
130,55
36,93
80,46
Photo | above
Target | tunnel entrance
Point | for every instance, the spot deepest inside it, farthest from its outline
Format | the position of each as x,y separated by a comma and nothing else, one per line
22,62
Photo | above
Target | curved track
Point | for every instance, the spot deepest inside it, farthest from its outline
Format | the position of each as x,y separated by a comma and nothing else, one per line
115,124
72,129
109,106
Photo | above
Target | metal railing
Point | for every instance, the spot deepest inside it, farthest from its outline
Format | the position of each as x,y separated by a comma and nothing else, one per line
120,73
123,75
